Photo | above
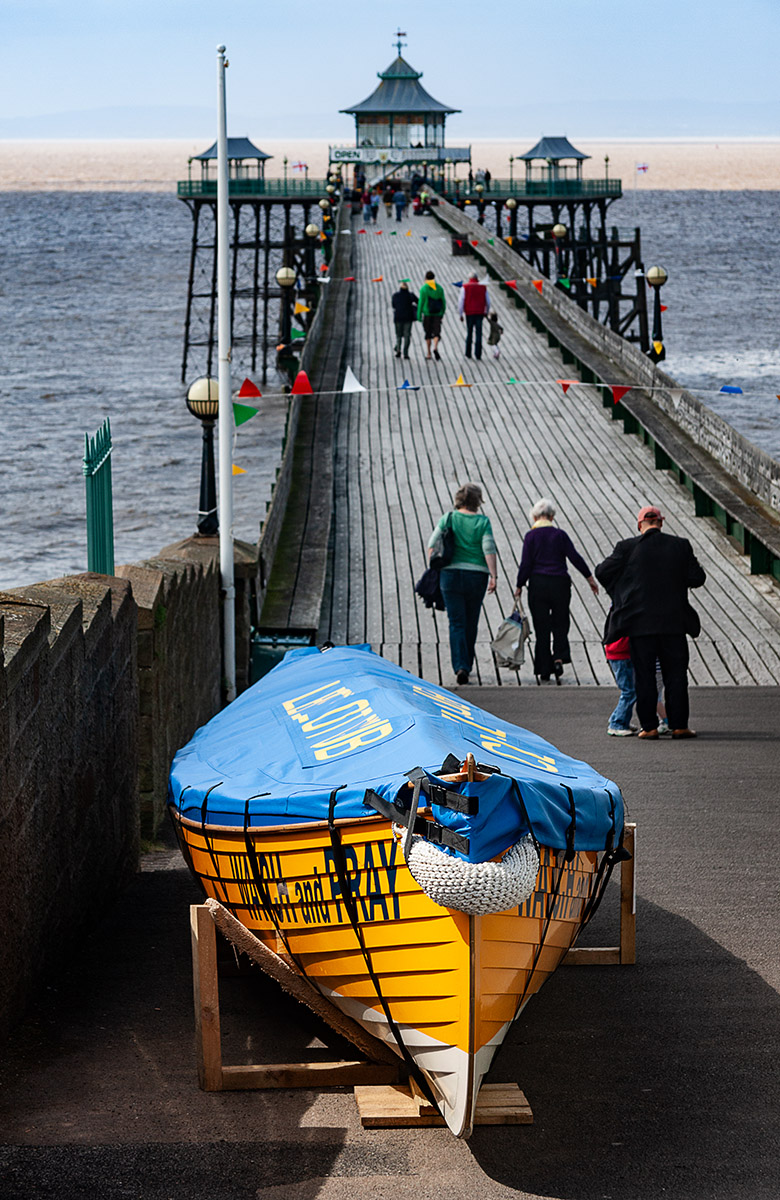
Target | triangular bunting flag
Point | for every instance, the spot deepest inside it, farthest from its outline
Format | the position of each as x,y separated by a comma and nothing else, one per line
280,347
511,381
664,308
248,389
408,233
297,334
618,392
346,231
406,386
592,280
658,347
459,244
378,232
323,237
509,241
424,237
676,395
378,279
511,283
566,384
352,383
538,284
349,279
458,284
491,241
238,470
361,231
404,280
302,386
300,308
323,267
564,282
393,233
325,280
242,413
732,391
475,243
460,382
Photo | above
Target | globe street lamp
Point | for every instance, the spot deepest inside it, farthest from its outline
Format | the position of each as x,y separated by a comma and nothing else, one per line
558,233
511,172
657,277
312,231
286,277
512,206
203,402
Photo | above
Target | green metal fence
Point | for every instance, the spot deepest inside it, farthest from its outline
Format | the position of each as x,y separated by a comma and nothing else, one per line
275,188
100,507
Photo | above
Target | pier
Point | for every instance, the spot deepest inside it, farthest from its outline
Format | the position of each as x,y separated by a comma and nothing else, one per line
398,456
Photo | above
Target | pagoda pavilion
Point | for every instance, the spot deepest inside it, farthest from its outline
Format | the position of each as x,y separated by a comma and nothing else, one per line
399,125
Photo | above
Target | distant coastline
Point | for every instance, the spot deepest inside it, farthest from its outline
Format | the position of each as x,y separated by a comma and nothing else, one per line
154,165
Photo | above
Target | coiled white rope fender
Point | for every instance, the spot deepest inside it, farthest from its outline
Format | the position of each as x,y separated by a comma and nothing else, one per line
474,888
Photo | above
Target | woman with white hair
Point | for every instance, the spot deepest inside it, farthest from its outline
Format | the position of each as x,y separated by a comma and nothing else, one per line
543,567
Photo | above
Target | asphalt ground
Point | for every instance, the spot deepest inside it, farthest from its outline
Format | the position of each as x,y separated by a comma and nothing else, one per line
657,1080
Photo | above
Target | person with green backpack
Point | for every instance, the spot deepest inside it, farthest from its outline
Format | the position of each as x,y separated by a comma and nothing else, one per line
431,307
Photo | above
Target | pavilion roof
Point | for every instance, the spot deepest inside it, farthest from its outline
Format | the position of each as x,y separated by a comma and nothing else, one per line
237,148
400,91
554,148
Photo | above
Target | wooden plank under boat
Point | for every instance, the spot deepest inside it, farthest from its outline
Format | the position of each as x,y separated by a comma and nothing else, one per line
441,986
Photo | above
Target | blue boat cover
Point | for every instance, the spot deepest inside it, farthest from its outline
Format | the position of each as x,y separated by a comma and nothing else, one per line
346,718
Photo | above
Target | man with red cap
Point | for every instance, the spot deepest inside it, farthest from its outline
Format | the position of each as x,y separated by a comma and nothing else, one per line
648,579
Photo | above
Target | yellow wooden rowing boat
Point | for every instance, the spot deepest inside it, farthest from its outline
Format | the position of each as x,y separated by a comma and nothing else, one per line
340,893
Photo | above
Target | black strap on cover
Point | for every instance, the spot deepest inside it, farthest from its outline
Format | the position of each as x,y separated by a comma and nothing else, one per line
262,886
439,835
613,855
443,796
342,875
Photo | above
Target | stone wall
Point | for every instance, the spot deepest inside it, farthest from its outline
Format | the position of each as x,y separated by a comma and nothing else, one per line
68,779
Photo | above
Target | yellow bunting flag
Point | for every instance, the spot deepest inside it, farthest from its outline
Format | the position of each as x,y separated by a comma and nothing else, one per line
460,382
408,233
300,308
378,279
591,279
658,347
238,470
509,241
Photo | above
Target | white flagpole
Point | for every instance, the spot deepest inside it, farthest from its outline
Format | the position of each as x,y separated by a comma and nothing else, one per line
226,425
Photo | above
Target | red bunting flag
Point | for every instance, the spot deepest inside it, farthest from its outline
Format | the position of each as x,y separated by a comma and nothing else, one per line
618,392
538,285
349,279
566,384
361,231
511,283
459,244
323,267
302,386
663,308
475,243
378,231
248,389
378,279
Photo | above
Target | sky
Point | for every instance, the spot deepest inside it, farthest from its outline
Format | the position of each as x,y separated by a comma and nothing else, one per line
593,68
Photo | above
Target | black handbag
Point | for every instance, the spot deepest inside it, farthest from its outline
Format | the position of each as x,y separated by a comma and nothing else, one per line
443,547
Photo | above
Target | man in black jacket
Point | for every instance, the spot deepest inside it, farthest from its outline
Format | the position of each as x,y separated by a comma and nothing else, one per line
648,579
404,315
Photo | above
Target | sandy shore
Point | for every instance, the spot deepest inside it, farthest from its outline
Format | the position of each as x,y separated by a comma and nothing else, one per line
130,165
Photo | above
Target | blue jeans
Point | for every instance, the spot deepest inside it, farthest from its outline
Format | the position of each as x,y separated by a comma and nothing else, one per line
624,678
463,592
474,331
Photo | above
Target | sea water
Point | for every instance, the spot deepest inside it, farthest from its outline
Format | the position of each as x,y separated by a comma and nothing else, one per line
93,288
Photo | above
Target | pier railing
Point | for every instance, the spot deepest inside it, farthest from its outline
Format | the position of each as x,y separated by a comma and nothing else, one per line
535,189
100,506
273,188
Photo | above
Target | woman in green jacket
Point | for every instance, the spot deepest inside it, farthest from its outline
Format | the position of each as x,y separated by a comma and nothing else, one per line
431,306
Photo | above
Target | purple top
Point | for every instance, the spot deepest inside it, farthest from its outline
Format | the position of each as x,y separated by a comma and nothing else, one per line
545,550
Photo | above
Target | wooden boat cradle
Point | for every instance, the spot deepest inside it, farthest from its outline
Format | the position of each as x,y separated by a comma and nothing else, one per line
382,1100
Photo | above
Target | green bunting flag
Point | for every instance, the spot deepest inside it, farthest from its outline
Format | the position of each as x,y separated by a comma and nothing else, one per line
242,413
564,282
297,334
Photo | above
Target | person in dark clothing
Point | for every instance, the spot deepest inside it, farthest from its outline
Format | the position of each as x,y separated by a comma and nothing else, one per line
404,316
543,568
474,306
648,579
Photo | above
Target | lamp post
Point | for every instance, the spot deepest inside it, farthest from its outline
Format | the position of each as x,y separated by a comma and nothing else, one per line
558,232
284,161
512,206
657,277
606,168
511,172
312,231
285,277
203,402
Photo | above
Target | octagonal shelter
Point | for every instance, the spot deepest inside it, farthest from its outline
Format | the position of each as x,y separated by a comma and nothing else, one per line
399,125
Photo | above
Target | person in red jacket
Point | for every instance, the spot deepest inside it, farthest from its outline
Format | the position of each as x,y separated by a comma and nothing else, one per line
473,308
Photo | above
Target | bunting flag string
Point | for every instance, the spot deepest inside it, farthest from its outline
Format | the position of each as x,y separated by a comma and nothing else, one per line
406,386
566,384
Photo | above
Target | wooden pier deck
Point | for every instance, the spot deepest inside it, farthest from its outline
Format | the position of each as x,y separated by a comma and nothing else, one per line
400,455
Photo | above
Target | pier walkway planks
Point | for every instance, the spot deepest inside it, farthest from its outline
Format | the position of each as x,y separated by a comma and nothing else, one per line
400,455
